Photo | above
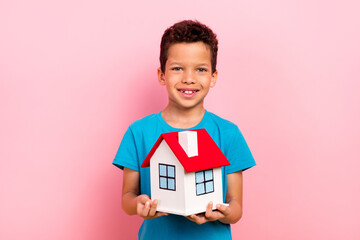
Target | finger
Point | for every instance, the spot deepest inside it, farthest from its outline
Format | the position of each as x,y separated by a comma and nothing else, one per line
209,210
144,198
223,209
160,214
217,215
201,221
198,219
192,218
146,209
153,207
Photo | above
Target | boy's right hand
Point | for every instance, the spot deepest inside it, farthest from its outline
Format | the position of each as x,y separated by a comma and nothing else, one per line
146,208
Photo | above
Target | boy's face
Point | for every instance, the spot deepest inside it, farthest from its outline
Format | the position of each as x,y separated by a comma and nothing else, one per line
188,76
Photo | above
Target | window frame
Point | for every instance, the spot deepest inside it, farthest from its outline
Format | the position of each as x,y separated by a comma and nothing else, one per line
204,182
167,177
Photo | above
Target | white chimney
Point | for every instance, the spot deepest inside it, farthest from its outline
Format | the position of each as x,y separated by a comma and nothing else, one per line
188,141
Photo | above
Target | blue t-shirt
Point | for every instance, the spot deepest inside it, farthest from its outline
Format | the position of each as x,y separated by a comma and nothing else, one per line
137,143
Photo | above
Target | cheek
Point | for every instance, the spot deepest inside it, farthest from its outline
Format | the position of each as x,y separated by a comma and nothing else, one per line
170,87
208,83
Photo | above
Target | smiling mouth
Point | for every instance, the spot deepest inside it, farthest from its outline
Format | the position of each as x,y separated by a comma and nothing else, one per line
188,91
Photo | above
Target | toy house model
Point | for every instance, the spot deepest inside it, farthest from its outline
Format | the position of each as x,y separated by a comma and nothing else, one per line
185,172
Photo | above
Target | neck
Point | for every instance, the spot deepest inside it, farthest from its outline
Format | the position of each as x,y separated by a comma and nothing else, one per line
183,118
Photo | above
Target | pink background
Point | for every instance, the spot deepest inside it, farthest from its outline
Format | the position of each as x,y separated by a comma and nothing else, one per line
74,74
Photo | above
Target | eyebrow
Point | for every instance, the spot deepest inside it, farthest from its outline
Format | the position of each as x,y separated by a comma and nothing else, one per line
174,63
204,64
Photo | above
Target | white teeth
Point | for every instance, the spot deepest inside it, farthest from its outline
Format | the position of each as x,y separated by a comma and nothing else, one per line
188,91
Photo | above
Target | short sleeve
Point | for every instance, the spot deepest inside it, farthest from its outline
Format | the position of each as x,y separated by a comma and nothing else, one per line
126,155
238,153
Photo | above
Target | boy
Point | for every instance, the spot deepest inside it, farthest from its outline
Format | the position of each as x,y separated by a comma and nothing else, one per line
188,70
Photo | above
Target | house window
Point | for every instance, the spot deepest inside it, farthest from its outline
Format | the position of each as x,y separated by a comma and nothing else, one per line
204,182
167,176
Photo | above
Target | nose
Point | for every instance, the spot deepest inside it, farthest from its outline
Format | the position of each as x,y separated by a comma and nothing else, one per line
189,77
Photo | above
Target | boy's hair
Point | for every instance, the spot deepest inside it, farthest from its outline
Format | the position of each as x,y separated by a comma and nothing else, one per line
188,31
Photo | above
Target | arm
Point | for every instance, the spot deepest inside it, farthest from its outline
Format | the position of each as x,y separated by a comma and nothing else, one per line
224,214
133,203
234,198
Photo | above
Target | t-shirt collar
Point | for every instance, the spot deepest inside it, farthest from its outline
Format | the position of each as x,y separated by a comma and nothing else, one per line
172,129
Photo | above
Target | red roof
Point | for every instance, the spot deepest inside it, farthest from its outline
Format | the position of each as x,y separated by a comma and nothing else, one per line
209,154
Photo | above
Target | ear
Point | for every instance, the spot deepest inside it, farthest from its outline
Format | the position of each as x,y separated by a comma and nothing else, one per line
161,77
213,79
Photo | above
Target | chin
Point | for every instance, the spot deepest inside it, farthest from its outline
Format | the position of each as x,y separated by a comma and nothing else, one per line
190,106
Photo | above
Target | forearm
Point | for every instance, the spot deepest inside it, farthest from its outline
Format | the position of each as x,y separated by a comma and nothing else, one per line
129,203
235,214
130,191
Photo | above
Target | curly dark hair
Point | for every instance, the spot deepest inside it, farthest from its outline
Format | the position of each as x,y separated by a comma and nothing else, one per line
188,31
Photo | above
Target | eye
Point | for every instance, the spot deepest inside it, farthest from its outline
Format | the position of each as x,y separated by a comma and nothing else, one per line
176,68
202,69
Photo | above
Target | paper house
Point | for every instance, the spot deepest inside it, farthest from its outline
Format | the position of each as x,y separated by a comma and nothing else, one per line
185,172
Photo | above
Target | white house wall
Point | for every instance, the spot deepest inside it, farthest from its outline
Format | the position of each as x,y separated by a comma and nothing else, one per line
197,204
169,201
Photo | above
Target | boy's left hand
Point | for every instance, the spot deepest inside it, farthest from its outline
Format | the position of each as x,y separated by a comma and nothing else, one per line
210,215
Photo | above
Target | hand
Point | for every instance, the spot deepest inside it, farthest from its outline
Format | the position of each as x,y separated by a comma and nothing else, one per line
146,208
210,215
